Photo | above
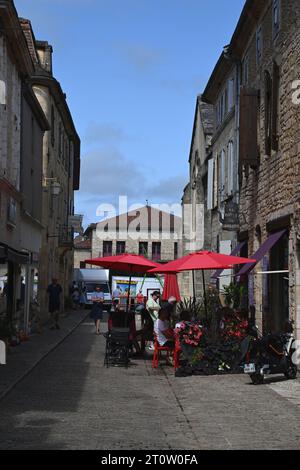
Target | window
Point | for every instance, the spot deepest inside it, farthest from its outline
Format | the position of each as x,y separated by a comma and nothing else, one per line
248,139
60,140
230,169
143,248
175,250
2,92
276,18
156,251
121,246
222,157
216,179
12,211
66,154
52,126
268,112
245,70
275,105
259,45
210,184
230,94
107,248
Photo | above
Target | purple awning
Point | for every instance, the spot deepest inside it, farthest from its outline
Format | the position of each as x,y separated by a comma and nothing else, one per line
260,253
235,252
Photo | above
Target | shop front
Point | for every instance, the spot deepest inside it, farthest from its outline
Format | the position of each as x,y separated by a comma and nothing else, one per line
268,283
13,290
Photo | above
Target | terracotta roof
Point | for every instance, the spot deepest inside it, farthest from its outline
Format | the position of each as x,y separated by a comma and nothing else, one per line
30,39
83,244
124,220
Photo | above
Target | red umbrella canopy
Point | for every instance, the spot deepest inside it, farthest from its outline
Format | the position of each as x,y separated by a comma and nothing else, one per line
171,288
124,262
202,260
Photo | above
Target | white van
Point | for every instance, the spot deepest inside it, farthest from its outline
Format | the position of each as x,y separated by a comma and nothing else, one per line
88,279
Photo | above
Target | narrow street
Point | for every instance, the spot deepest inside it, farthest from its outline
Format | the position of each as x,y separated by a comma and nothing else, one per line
70,401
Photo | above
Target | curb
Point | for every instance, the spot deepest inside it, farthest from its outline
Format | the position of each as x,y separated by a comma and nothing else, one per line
36,363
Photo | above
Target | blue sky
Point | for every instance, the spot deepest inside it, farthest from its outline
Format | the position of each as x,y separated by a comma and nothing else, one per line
131,70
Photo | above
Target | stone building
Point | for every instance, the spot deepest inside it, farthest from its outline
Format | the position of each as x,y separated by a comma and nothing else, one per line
267,44
253,172
147,231
221,92
60,172
82,251
196,219
22,126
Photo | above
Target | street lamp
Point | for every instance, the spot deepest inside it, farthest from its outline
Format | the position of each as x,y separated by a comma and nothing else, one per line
54,185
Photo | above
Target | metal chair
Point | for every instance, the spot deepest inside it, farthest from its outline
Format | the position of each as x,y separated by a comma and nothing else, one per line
117,347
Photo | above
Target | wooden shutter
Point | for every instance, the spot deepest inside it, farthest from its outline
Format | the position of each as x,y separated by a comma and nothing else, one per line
268,112
210,184
248,126
275,98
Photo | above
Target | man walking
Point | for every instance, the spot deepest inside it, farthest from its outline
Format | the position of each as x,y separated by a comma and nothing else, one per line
54,291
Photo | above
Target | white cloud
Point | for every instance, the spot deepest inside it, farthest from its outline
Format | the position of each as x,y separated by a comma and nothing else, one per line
141,57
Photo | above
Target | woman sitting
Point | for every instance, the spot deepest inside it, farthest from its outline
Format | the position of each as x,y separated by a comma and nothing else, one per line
164,334
185,317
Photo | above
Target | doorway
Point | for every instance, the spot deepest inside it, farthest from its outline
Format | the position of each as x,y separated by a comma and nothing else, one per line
279,285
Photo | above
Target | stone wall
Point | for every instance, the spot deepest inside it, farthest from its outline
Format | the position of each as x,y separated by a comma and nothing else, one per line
271,191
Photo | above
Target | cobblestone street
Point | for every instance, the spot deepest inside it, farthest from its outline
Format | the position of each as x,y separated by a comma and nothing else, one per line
70,401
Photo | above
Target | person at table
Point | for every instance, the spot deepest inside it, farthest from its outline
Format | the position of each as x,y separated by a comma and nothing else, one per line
146,332
153,306
184,318
97,308
140,297
164,334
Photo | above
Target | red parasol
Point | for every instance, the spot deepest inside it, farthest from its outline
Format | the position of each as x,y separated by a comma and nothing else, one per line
126,262
171,288
202,260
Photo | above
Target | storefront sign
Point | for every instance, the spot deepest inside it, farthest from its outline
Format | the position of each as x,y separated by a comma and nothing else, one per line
231,217
75,222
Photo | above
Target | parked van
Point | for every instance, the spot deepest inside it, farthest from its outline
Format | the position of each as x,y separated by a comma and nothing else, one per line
88,279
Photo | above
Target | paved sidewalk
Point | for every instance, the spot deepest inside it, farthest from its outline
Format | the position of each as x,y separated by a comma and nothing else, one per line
70,401
22,359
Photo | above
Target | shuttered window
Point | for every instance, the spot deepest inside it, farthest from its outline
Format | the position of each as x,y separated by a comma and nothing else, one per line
2,92
275,105
216,179
230,94
230,170
276,18
210,184
268,112
222,175
248,127
259,45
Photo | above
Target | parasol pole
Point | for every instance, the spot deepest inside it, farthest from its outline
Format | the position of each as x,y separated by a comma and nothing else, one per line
128,294
194,290
204,294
